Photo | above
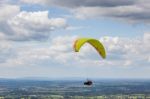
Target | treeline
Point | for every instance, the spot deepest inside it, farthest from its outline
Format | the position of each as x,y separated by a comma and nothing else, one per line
133,96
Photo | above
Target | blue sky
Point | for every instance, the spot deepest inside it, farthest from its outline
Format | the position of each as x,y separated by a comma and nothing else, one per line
37,38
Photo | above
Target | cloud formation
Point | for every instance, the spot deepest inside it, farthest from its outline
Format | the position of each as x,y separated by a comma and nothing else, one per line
6,13
79,3
120,52
18,23
27,26
128,10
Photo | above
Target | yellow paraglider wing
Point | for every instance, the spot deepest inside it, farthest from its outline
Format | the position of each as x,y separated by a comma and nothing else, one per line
95,43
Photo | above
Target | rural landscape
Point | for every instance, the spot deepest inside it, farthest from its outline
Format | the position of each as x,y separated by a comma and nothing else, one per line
66,89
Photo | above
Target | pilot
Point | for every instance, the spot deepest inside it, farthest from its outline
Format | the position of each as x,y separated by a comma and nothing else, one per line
88,83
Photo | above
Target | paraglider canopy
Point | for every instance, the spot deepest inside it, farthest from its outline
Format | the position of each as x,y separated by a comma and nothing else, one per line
95,43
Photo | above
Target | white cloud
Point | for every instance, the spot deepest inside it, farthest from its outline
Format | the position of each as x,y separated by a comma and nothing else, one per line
35,26
27,26
130,13
5,51
34,1
8,11
77,3
58,51
146,39
120,52
134,13
126,10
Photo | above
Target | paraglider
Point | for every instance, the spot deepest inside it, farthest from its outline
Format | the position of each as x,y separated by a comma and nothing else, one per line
96,44
88,83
